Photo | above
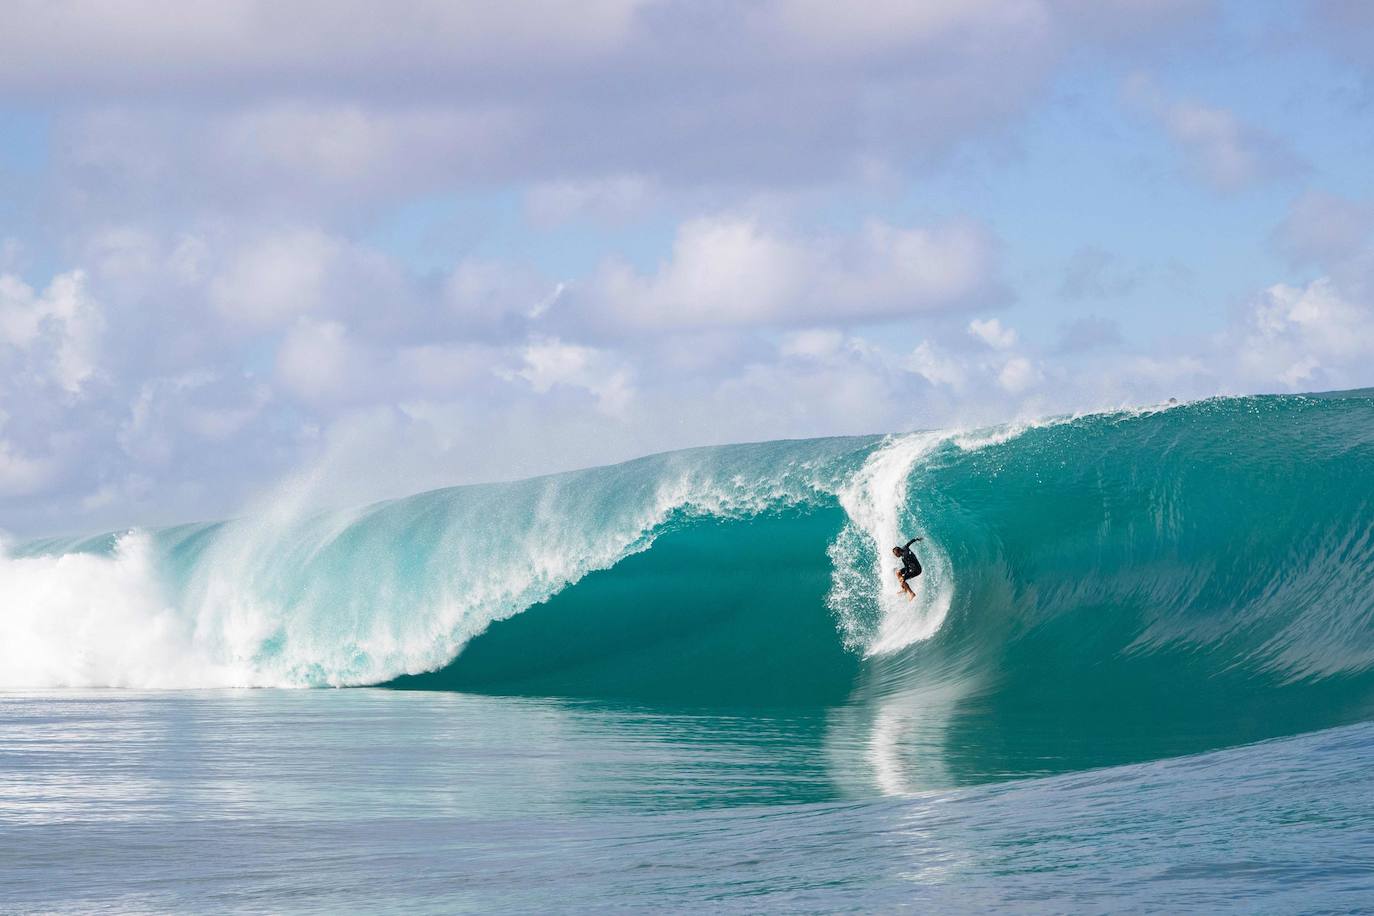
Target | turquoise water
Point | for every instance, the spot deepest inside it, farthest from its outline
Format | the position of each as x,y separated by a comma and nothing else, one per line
1139,673
393,801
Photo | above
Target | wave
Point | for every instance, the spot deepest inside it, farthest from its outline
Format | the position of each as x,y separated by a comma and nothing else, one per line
289,597
1212,563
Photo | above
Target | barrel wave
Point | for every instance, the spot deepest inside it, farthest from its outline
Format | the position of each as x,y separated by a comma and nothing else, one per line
1098,589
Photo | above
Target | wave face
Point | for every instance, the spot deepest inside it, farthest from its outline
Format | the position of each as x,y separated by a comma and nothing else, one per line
1097,589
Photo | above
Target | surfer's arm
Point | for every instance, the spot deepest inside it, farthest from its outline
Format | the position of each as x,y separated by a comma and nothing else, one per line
910,542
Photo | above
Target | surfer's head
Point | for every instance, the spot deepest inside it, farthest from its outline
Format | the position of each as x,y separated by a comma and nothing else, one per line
896,551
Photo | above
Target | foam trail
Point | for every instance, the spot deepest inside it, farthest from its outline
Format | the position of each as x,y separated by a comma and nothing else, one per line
880,516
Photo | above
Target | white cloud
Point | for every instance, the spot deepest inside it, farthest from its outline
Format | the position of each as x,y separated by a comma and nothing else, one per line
551,363
1307,338
730,270
342,108
345,144
838,29
494,296
183,412
275,278
1017,375
442,368
141,436
277,157
481,400
613,199
979,373
317,361
1219,147
219,424
426,353
53,336
21,474
992,333
218,168
937,367
817,343
250,45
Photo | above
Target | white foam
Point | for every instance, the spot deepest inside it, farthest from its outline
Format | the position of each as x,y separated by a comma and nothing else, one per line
85,620
883,515
876,502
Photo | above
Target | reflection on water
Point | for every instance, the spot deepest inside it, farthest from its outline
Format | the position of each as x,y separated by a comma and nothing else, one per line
159,754
387,800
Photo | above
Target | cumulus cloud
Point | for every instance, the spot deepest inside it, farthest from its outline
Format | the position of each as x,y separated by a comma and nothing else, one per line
551,363
168,413
21,474
731,270
1000,364
52,336
1017,374
497,299
1218,147
937,367
316,359
602,402
276,277
1307,338
991,332
790,366
816,343
196,291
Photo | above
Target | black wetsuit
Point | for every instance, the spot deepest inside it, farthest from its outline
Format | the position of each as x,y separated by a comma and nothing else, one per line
911,567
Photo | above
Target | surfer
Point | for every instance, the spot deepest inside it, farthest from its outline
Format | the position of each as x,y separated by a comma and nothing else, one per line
911,567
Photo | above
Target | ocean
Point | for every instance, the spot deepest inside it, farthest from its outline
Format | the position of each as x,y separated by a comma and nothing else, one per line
1138,675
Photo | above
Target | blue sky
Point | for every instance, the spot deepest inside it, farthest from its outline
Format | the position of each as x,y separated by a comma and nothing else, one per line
392,247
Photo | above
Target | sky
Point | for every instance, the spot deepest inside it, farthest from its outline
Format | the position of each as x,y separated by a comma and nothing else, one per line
398,246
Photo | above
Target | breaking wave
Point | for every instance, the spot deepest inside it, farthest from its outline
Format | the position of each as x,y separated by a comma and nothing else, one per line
1212,563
